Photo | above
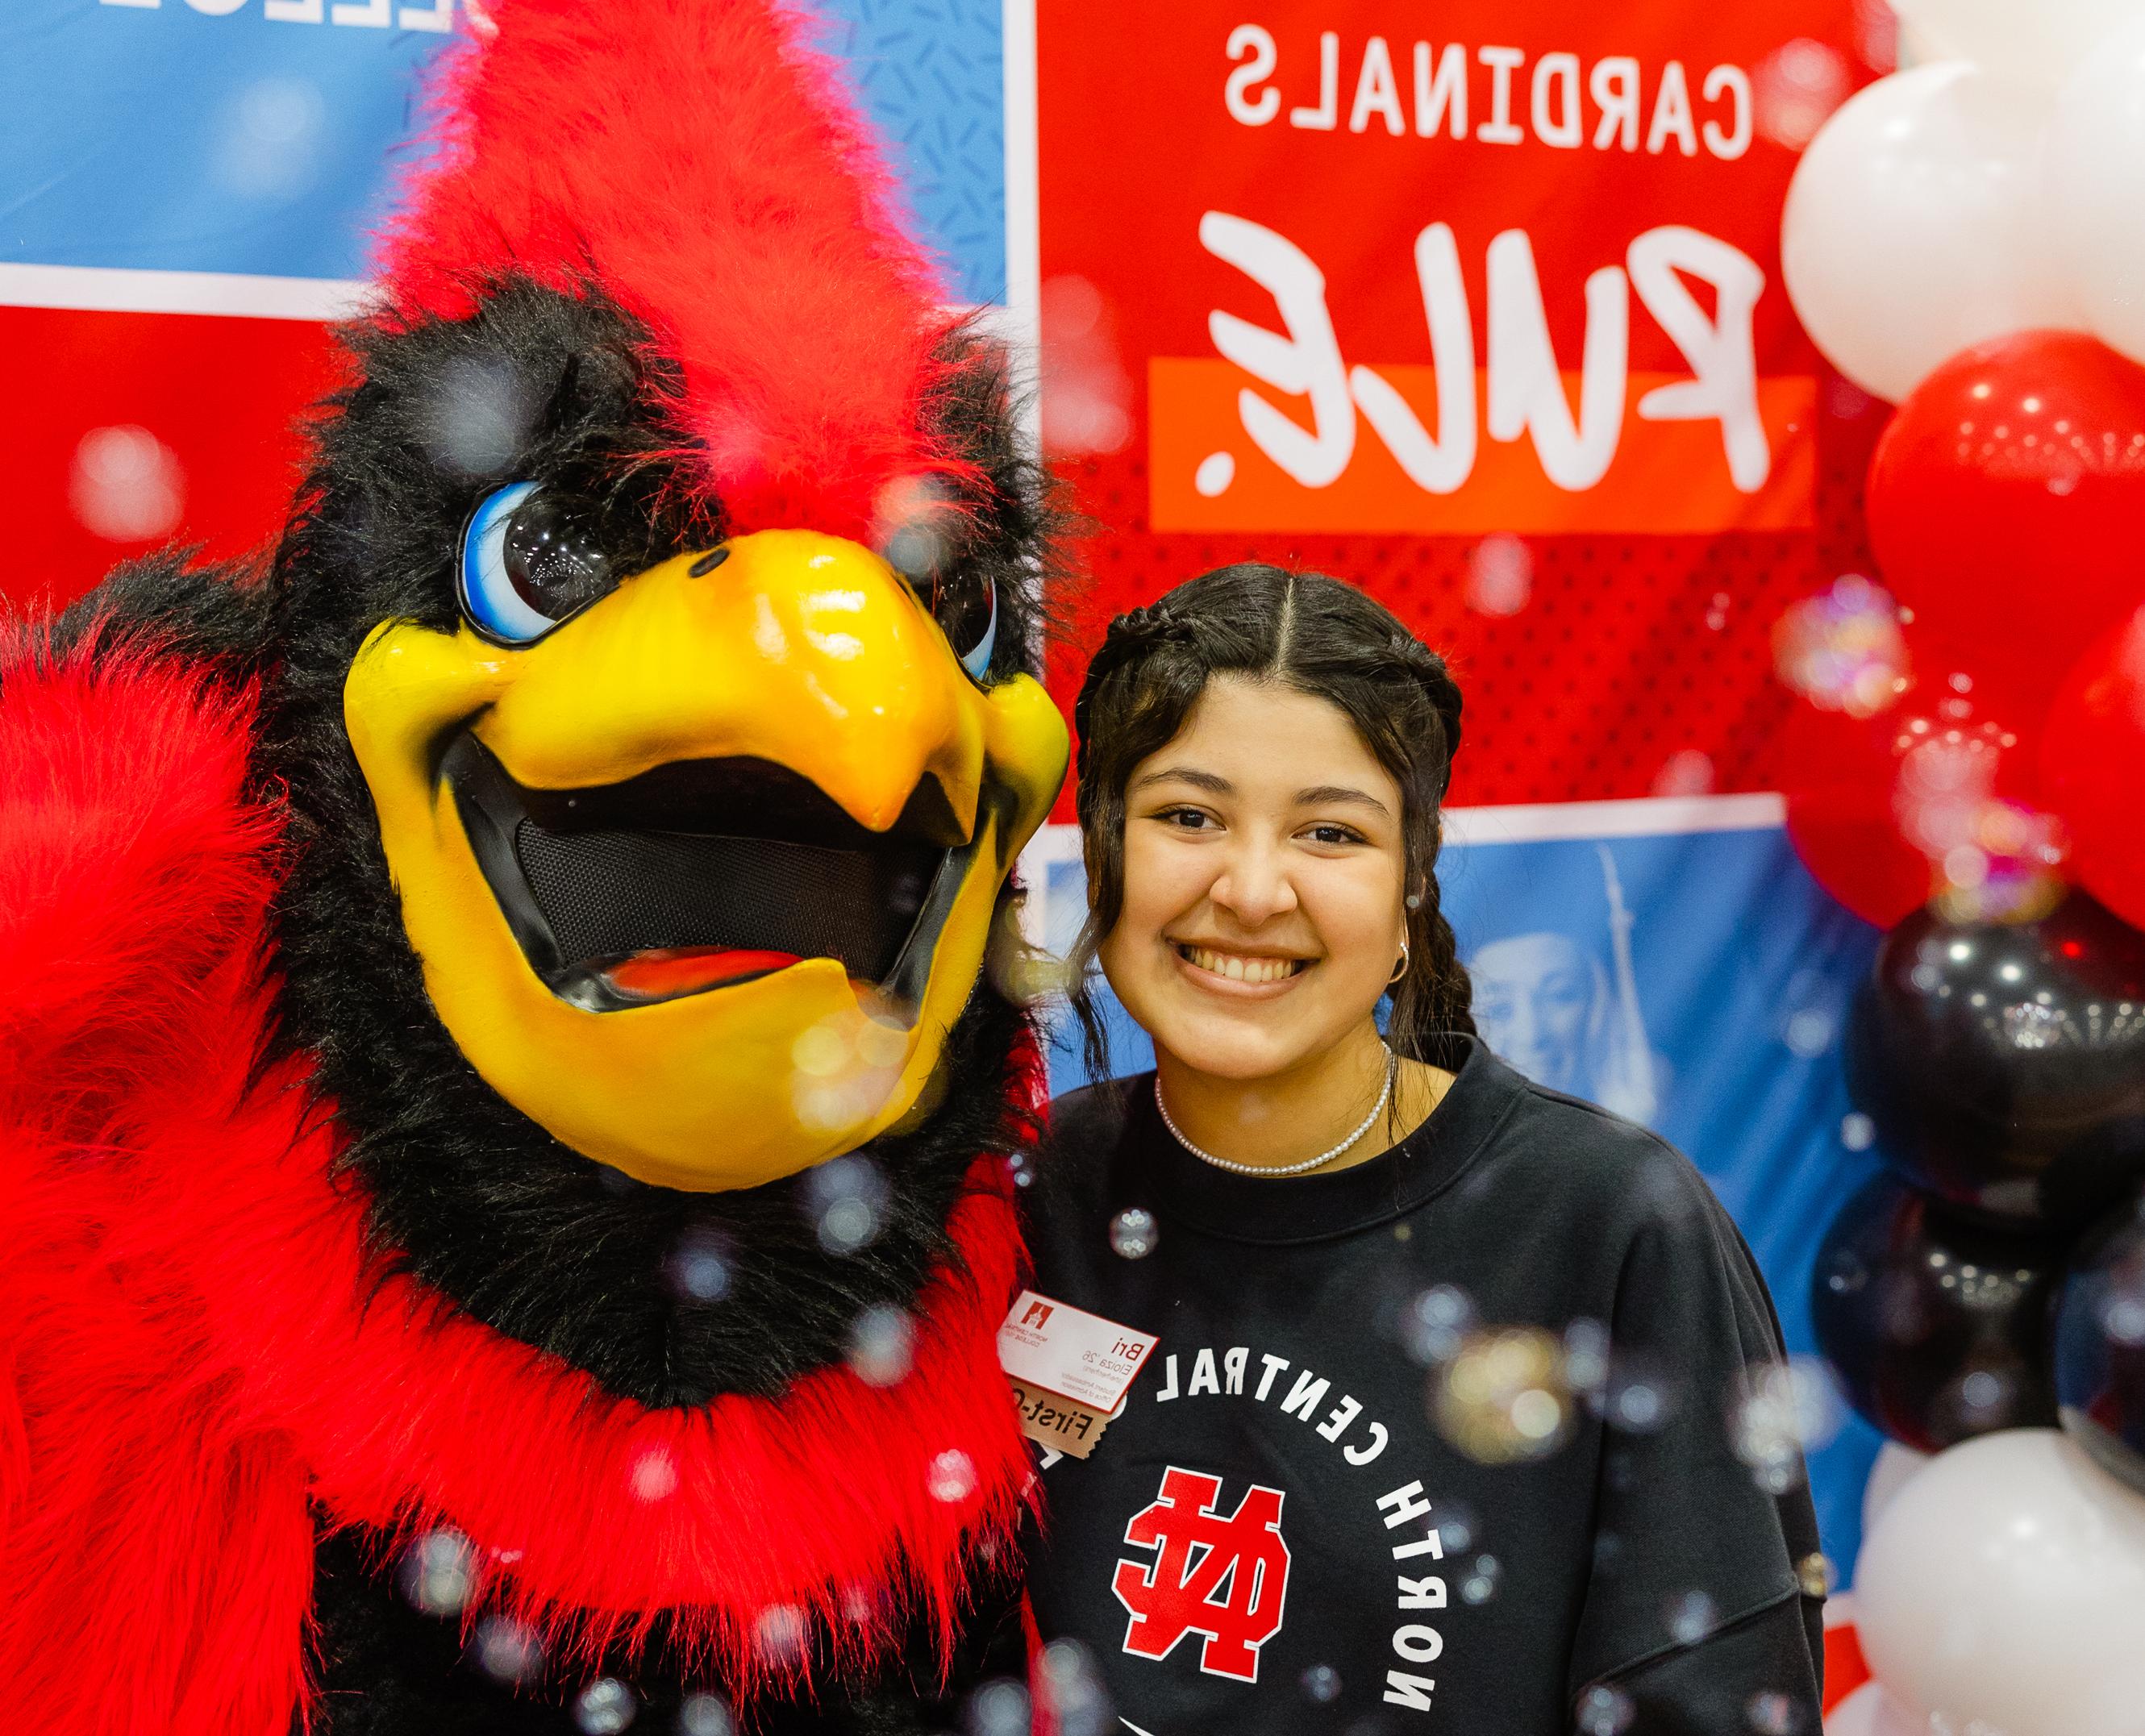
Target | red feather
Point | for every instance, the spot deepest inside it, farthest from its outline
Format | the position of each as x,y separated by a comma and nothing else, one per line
194,1341
697,161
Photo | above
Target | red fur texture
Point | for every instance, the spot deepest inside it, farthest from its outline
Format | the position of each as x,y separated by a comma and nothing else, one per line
697,161
194,1342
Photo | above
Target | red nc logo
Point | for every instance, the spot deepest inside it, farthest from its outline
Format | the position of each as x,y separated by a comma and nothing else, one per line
1221,1577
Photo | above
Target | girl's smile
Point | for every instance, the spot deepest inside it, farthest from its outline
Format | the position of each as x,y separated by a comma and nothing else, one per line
1226,971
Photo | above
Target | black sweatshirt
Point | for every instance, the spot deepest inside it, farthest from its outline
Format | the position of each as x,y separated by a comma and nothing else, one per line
1310,1517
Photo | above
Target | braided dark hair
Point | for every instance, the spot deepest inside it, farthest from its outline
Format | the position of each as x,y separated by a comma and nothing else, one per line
1318,636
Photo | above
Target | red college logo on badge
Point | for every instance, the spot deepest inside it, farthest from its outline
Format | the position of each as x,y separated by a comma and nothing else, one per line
1223,1577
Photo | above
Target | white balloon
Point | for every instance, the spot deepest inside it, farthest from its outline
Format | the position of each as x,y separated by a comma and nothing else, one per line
1869,1711
2094,170
1914,225
2036,39
1894,1463
2006,1583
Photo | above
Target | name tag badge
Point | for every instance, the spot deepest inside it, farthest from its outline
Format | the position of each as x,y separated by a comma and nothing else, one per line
1070,1369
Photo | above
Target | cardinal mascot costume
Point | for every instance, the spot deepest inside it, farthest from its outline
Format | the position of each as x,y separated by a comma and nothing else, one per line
504,1112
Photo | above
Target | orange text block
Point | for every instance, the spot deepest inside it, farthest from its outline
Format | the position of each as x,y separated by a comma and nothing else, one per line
1665,477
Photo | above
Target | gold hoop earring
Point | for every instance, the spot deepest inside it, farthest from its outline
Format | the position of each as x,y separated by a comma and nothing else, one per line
1401,970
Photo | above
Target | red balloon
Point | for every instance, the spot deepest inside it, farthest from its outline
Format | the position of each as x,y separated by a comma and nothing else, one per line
1872,802
2006,501
1838,773
2093,768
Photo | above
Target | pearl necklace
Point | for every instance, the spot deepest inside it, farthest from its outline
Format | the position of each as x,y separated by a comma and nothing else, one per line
1378,1108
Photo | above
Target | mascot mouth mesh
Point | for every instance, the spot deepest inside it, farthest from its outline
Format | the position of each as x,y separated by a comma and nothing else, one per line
738,861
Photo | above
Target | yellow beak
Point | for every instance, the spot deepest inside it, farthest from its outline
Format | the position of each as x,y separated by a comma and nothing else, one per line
804,665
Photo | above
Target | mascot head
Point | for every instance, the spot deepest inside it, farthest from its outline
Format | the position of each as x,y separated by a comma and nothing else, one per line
648,675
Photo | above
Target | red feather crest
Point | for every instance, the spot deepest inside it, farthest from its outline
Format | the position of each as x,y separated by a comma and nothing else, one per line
699,162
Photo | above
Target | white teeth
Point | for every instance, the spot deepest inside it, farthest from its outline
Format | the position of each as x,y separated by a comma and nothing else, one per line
1238,968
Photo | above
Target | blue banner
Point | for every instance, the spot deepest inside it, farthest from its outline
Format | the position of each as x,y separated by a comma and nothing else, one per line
263,137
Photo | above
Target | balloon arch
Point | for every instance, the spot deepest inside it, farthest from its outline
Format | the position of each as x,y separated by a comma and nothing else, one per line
1966,239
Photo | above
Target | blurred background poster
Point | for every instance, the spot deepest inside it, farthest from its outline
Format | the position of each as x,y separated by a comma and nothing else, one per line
1518,282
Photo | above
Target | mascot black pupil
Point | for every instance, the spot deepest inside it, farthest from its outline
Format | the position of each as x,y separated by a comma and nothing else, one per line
552,560
511,1029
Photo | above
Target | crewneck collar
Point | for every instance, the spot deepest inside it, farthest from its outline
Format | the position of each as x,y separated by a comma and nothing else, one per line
1276,1210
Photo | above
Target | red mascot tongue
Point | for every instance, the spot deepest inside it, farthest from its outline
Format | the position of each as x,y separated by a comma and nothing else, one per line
687,970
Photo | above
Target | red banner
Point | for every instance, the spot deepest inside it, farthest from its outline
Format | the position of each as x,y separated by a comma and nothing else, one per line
1488,317
127,431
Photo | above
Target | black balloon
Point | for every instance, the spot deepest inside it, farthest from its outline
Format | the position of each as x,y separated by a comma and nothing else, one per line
1938,1327
2100,1346
2004,1067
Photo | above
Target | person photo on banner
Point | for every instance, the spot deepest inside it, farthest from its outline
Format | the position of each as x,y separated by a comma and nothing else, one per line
1546,1004
1466,1393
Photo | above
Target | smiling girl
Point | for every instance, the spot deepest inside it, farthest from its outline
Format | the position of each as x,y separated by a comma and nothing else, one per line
1466,1414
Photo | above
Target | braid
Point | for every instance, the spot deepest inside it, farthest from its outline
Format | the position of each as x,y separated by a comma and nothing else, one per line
1428,671
1445,999
1435,996
1130,638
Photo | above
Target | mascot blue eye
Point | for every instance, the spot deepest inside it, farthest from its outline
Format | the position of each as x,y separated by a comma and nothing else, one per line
527,565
